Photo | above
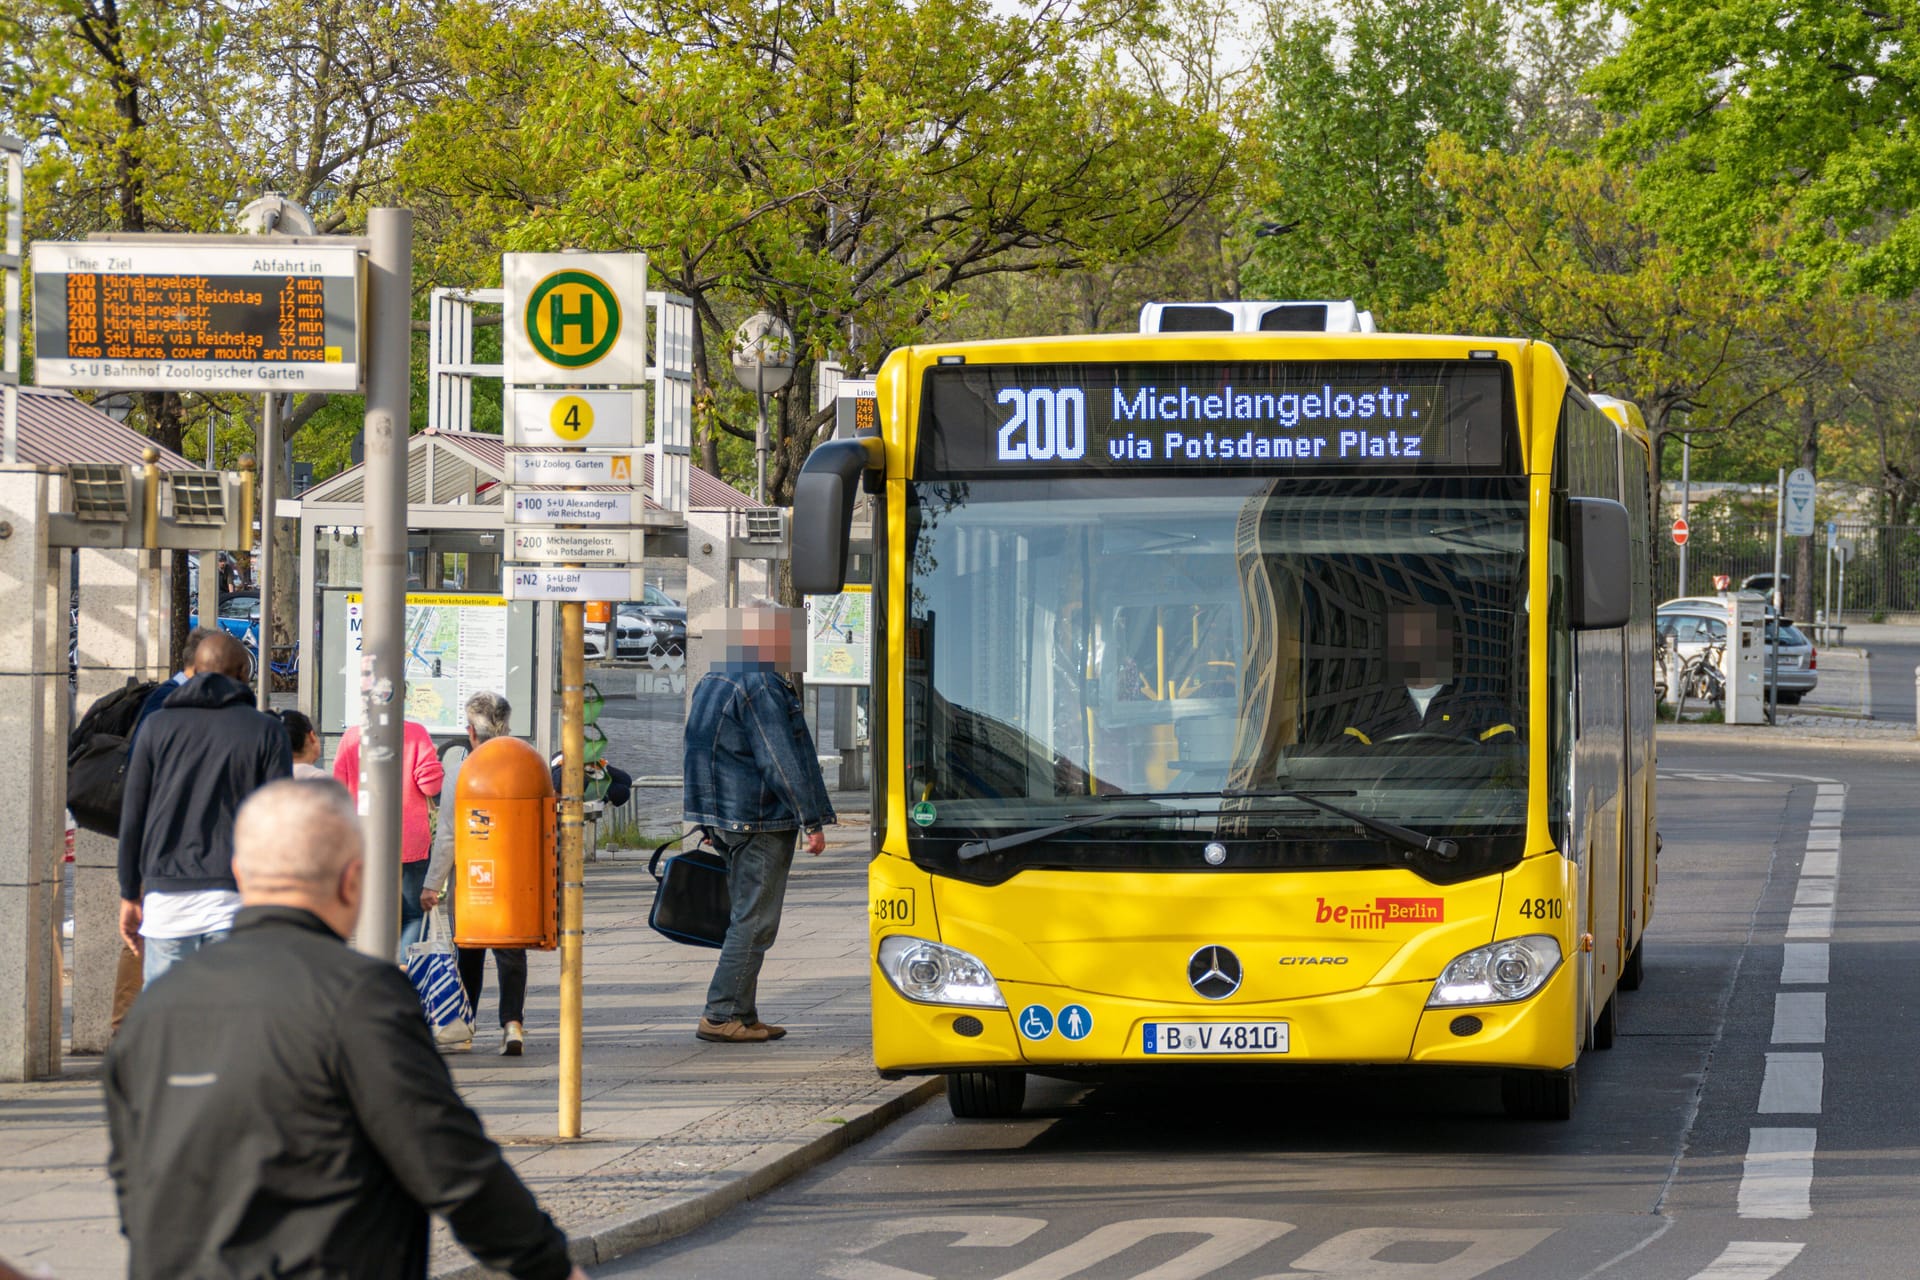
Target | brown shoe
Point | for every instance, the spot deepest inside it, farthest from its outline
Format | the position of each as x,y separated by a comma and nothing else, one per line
773,1032
732,1031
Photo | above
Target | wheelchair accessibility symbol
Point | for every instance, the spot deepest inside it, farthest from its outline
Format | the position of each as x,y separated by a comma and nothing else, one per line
1036,1022
1075,1022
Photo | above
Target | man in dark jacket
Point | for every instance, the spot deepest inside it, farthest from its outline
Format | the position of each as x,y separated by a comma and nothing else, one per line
276,1106
753,782
195,761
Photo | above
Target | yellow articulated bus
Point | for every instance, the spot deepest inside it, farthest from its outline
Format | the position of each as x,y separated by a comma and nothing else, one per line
1249,699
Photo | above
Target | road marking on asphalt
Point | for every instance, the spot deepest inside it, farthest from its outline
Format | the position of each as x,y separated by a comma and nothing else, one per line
1792,1085
1810,922
1821,862
1825,838
1805,964
1800,1017
1751,1260
1813,891
1777,1179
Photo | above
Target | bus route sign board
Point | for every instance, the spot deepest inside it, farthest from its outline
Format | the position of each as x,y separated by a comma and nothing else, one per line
571,467
197,317
571,506
533,582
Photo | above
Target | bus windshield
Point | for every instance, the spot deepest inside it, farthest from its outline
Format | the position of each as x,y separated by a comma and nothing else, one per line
1186,652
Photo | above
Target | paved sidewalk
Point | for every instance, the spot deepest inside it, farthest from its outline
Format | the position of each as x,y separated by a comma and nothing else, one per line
674,1131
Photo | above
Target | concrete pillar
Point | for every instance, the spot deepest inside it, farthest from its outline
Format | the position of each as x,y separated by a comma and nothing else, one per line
122,635
710,579
33,776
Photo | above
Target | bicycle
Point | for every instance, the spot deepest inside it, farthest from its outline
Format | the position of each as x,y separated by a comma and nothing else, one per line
1701,677
285,670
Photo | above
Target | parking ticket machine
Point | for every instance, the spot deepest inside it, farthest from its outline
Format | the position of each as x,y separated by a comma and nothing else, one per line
1746,662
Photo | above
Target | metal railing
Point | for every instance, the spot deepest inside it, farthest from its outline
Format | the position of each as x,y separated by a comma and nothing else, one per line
1882,578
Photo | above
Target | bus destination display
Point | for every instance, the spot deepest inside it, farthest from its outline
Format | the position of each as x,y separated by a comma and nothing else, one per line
215,318
1009,419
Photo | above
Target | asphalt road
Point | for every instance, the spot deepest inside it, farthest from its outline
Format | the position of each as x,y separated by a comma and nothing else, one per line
1754,1119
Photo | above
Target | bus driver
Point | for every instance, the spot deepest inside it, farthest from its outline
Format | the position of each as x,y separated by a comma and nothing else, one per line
1421,694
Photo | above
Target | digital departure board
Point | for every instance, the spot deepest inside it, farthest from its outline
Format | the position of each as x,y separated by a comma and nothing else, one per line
1007,420
203,317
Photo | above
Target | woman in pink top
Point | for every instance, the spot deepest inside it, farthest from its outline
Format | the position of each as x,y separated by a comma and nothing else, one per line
421,776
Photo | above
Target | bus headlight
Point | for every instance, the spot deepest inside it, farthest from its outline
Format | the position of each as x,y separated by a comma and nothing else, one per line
933,974
1497,973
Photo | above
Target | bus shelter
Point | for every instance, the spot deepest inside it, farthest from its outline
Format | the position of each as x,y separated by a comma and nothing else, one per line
463,635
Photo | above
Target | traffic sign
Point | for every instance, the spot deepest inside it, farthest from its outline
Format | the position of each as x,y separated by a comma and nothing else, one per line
199,317
573,419
534,582
570,506
573,466
1843,548
575,317
575,546
1679,533
1799,503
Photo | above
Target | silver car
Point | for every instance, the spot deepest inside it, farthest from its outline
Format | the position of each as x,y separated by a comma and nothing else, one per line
1690,625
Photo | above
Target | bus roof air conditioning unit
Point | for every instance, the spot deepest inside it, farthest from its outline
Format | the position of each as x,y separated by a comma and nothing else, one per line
1254,317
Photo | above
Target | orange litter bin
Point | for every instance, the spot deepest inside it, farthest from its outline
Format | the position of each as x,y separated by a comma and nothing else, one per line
505,874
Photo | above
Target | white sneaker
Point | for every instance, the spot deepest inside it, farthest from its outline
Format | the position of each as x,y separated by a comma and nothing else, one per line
513,1040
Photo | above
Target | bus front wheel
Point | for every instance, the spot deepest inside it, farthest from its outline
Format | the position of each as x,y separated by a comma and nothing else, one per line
986,1095
1538,1095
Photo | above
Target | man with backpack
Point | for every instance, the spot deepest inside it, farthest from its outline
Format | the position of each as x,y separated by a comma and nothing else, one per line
193,762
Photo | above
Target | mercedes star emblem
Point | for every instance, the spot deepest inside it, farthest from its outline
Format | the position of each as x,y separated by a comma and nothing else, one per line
1214,972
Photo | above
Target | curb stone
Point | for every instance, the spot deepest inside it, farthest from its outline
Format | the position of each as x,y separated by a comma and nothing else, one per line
753,1176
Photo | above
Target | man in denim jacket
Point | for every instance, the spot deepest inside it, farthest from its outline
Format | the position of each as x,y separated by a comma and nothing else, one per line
752,783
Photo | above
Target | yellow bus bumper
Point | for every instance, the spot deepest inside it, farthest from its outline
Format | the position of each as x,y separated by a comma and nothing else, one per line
1384,1025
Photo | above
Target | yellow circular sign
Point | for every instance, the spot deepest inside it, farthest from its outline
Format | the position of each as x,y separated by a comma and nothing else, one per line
572,318
571,418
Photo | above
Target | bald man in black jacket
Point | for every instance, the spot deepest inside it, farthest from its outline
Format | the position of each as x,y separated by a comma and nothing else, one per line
275,1104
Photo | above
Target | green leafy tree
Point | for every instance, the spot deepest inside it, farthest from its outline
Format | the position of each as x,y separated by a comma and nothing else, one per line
1744,111
1357,90
851,167
1548,245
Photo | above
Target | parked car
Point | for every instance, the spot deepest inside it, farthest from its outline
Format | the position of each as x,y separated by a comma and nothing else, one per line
239,616
1763,583
1693,623
665,622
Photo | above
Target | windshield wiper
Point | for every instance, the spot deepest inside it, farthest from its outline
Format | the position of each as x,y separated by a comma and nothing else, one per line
1439,846
981,848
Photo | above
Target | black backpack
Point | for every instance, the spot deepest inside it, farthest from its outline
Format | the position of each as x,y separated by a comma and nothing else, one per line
97,757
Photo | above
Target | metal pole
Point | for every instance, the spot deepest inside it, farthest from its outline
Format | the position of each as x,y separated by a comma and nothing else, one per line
1686,495
13,149
1779,535
760,452
269,466
1827,615
573,760
383,629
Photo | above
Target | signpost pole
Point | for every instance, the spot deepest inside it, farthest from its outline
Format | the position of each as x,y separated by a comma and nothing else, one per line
1779,529
12,151
269,468
1832,532
1686,492
383,630
760,452
573,761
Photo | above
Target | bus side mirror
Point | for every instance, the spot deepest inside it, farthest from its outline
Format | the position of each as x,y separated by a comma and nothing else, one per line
1602,556
823,498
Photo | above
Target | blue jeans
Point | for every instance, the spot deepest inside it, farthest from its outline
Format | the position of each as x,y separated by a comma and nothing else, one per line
164,953
413,921
757,867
